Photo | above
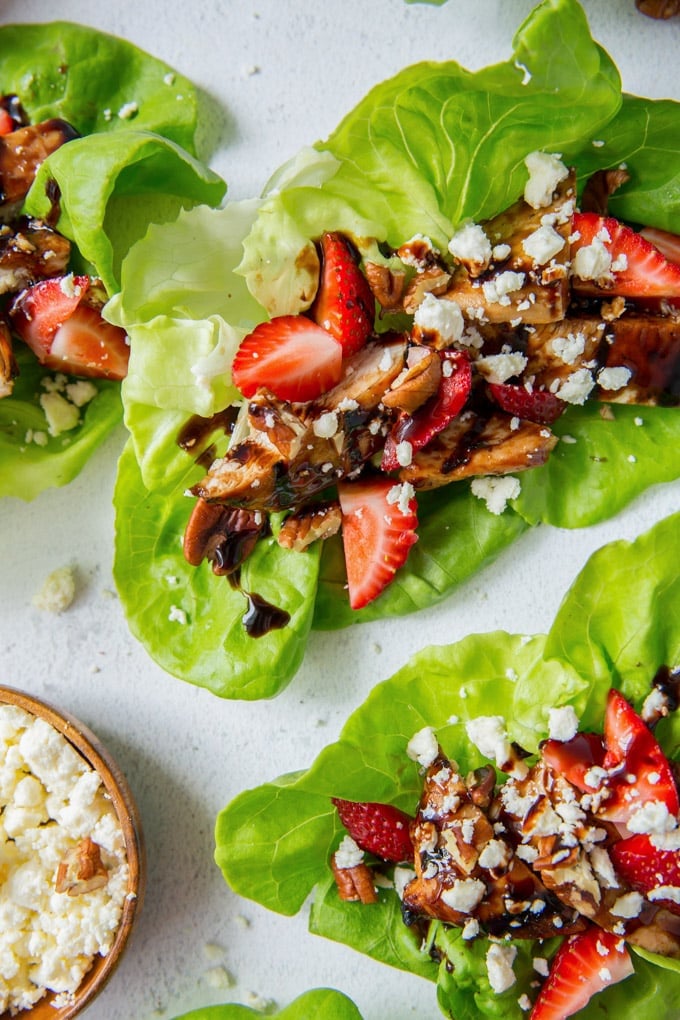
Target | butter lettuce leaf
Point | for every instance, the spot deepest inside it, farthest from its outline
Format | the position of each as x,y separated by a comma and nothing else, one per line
136,162
325,1003
617,624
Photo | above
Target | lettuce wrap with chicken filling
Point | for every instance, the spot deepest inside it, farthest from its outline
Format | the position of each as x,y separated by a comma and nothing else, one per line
427,152
614,630
126,156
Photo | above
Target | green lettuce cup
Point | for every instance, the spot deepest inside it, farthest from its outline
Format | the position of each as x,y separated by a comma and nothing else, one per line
616,626
135,162
324,1003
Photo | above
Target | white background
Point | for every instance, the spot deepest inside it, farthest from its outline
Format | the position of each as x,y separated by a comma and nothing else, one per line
282,73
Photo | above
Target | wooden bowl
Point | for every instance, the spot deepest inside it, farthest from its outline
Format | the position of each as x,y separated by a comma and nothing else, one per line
98,758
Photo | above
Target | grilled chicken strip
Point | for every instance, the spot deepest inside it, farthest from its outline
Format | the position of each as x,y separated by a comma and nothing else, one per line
30,251
467,871
21,154
8,366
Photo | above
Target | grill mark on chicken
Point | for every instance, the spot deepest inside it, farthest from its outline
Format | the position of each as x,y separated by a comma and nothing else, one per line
21,154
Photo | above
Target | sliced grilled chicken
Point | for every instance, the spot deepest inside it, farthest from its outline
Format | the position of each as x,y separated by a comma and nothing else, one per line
21,154
466,869
8,365
475,444
30,251
526,283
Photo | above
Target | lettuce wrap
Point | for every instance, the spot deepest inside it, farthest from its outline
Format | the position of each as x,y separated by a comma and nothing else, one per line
135,162
616,626
423,152
325,1003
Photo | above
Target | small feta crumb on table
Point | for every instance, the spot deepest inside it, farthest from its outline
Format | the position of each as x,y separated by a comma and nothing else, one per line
57,592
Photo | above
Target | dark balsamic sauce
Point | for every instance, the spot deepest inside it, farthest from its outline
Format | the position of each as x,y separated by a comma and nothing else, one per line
261,616
53,192
197,429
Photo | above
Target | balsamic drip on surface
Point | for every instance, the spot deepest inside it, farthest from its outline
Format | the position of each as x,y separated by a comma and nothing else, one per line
53,192
261,616
197,429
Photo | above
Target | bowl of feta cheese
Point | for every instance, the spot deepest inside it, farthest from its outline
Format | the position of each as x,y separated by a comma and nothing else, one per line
72,862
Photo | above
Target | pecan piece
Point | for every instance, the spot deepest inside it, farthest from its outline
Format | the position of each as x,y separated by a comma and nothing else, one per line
416,384
433,280
386,284
82,869
223,535
661,9
355,884
307,525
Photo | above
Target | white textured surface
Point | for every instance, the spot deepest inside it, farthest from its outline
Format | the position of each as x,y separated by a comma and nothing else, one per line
282,73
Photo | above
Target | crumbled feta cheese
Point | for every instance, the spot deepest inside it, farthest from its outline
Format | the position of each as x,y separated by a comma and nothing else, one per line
348,854
441,316
562,723
494,855
652,818
61,414
546,171
500,287
404,450
499,961
592,261
128,110
402,876
568,348
464,895
49,938
423,747
489,735
576,388
604,869
401,495
614,378
57,592
498,368
177,615
543,245
470,929
541,966
471,245
628,905
665,892
81,392
495,491
326,425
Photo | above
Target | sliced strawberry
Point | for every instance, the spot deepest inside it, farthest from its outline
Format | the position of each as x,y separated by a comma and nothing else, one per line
290,356
639,770
644,272
376,535
667,243
379,829
65,330
344,303
583,965
574,758
539,406
430,419
641,865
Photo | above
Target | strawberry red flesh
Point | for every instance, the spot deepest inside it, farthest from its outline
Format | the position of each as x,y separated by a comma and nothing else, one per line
290,356
430,419
7,125
377,535
639,770
344,303
583,965
539,406
644,867
66,332
640,269
379,829
574,758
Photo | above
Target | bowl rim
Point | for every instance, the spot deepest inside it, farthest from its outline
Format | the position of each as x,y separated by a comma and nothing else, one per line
90,747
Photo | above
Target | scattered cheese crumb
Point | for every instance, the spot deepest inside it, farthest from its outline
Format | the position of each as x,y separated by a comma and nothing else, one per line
499,961
496,491
57,592
562,723
423,747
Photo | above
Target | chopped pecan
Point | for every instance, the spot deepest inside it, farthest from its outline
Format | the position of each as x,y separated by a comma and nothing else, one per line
433,280
386,284
223,535
82,869
416,384
356,883
599,187
310,523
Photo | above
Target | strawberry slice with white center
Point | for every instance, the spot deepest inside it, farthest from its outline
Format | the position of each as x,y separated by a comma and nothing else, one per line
344,303
59,319
649,870
419,428
639,772
291,356
379,524
584,965
638,268
575,758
